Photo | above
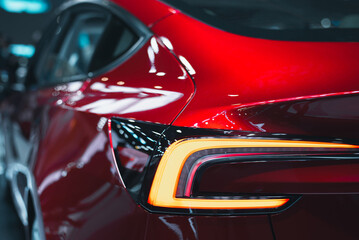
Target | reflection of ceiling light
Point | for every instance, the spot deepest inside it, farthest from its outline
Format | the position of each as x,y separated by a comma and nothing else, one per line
158,87
27,6
187,65
22,50
167,43
161,74
154,45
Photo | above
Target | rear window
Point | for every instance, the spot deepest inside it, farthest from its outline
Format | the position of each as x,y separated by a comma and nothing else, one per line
297,20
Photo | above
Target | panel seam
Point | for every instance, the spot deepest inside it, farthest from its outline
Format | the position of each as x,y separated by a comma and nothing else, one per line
271,226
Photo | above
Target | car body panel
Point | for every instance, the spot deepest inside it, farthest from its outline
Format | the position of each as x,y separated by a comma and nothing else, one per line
245,227
208,227
150,86
190,74
64,128
89,178
327,115
319,216
232,70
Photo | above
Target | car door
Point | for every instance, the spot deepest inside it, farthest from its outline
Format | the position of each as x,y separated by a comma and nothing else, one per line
96,62
60,70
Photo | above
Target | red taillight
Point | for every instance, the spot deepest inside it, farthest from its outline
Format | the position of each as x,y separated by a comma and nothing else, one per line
171,187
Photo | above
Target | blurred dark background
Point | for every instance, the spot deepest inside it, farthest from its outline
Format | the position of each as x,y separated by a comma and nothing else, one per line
23,20
21,25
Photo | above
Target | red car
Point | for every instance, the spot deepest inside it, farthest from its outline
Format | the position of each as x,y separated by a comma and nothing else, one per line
181,119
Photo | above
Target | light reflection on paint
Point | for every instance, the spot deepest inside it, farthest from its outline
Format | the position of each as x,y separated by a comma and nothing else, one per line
187,65
161,74
146,99
167,43
184,76
74,86
151,57
154,45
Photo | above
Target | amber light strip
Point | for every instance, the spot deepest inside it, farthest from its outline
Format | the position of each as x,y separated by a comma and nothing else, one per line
164,186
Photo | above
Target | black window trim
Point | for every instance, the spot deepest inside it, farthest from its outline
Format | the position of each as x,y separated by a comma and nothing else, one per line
297,35
139,28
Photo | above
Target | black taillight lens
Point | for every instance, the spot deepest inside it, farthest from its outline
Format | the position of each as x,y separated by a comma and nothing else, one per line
133,145
204,171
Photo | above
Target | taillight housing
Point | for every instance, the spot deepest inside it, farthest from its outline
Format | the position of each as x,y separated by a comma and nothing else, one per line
186,173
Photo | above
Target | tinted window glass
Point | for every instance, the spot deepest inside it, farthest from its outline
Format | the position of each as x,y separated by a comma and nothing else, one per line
116,41
70,55
322,20
79,45
87,40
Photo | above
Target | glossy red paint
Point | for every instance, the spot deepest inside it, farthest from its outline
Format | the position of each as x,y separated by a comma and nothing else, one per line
88,177
319,217
241,83
206,227
163,227
234,227
233,70
89,164
333,116
150,86
74,167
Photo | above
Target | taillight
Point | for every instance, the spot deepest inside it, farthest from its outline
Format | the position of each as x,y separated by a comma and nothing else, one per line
197,171
173,180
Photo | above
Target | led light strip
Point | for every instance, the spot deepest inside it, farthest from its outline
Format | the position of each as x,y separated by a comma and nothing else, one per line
164,186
